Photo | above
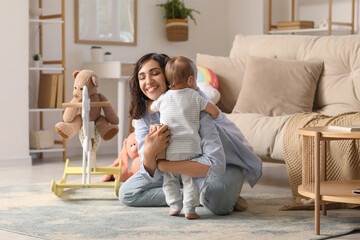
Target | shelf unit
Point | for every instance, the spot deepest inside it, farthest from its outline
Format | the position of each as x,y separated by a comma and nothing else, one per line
48,66
329,30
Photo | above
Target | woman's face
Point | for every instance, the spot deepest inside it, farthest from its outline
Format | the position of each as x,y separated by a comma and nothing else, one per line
152,79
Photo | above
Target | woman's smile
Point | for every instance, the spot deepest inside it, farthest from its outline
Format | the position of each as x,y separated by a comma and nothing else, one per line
152,89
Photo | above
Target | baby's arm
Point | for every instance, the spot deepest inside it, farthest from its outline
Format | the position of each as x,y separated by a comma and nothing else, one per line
208,106
149,107
212,110
153,106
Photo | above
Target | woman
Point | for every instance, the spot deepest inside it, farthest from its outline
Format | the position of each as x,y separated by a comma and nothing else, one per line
219,172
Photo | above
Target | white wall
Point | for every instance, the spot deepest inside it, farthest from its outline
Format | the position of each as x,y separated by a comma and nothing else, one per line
14,88
246,17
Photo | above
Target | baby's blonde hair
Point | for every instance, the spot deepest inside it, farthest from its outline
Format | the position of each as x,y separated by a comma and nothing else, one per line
179,69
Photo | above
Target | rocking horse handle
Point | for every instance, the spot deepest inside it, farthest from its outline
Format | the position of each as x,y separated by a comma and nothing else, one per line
92,104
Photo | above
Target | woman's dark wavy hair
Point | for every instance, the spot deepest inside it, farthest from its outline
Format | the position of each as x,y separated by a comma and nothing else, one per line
137,97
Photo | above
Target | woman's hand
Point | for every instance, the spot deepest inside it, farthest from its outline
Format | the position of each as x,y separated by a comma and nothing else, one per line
155,142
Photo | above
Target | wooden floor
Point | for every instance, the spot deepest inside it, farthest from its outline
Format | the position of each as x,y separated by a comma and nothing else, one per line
274,180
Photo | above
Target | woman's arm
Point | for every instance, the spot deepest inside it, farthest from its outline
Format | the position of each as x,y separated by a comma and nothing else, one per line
188,168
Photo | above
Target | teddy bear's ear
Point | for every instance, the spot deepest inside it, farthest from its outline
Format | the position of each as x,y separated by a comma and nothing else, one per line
95,80
124,153
132,136
76,73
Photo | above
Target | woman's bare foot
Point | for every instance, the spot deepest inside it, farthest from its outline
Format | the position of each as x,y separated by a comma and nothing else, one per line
191,216
171,213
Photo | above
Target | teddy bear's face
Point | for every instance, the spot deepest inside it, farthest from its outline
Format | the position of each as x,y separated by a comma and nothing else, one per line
84,78
132,148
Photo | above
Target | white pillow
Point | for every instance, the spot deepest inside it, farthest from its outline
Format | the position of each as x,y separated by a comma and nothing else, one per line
209,91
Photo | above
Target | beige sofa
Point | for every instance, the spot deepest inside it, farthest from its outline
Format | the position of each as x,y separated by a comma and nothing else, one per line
335,91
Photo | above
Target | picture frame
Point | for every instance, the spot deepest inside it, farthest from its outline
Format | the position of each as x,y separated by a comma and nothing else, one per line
106,22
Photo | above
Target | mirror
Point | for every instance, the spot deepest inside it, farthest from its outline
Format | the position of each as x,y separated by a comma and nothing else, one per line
111,22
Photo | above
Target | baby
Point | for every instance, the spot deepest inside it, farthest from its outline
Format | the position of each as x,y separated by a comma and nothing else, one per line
180,109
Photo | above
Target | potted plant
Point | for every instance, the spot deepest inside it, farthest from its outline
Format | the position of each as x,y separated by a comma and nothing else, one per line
107,56
36,60
176,15
96,54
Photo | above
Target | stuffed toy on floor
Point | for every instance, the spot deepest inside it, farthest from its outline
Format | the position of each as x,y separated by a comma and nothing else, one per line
105,124
130,149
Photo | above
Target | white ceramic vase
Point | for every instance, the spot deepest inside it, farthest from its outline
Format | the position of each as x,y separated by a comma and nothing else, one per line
35,12
97,54
36,63
107,57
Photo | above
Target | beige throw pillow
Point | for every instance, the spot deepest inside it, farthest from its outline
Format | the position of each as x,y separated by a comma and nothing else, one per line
230,72
275,87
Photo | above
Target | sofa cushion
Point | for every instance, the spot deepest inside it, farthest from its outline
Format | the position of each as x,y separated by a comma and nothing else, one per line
276,87
338,89
230,73
263,133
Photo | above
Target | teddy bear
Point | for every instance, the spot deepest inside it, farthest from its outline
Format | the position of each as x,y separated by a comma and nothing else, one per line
130,149
105,124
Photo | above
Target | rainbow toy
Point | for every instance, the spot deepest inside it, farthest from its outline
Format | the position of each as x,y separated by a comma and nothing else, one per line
206,75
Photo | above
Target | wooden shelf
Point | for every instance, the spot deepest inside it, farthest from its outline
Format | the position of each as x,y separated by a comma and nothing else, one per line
46,109
329,133
45,21
47,150
46,68
311,30
49,65
335,191
329,30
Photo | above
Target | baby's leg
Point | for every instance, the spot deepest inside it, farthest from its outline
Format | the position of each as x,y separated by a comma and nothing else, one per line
172,192
191,197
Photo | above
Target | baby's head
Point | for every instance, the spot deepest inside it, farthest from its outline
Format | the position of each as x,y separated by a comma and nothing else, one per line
181,71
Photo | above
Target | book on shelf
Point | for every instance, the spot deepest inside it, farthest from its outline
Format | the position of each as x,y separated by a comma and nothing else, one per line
60,91
293,27
47,90
347,128
296,23
356,191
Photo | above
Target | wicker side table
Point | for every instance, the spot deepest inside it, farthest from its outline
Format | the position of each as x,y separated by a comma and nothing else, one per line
314,183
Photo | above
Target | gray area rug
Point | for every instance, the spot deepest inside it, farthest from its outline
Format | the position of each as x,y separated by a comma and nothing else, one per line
96,214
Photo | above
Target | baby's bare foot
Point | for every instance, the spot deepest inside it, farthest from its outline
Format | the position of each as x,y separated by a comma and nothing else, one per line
191,216
171,213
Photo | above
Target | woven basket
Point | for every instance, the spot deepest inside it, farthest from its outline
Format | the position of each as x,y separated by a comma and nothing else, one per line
41,139
177,30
